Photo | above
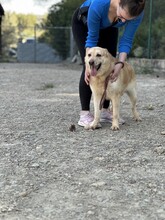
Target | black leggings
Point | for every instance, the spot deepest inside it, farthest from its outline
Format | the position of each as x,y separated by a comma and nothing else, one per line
107,39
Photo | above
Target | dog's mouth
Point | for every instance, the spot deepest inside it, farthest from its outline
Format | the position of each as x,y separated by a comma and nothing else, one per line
94,68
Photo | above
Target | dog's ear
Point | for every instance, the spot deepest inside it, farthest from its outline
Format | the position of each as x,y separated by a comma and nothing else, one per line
106,53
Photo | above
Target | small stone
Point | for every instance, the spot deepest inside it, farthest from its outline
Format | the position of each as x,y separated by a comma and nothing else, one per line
163,133
24,194
159,150
98,184
90,212
129,150
99,158
132,181
150,185
150,107
160,211
35,165
4,209
39,149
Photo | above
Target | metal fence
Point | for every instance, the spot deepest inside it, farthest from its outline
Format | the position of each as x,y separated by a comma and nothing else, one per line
36,44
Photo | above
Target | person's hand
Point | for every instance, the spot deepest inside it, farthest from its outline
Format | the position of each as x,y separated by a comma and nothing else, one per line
115,72
87,77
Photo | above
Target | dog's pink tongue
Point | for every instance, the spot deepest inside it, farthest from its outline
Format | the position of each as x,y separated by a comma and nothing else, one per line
93,71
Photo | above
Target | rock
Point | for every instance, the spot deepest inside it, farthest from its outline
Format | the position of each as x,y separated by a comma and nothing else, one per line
150,107
90,212
159,150
39,149
23,194
35,165
98,184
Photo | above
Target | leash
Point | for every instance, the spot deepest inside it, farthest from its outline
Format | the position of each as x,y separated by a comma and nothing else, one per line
106,85
104,93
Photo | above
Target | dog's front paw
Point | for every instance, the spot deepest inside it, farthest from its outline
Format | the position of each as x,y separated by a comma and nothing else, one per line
137,118
115,127
87,127
92,126
115,124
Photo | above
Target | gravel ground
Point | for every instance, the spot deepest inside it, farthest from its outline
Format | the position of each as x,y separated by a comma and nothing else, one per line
48,172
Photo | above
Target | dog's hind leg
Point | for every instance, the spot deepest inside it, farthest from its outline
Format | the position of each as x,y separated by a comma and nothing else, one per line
133,98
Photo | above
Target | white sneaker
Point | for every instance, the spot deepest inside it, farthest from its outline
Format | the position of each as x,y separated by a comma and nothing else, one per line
106,116
85,119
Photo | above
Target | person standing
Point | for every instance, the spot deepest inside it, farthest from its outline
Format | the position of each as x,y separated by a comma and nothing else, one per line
96,23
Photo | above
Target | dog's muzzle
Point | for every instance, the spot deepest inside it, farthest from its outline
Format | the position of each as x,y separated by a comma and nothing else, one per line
94,68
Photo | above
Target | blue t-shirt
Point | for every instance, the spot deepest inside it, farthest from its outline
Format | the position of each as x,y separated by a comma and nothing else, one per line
98,19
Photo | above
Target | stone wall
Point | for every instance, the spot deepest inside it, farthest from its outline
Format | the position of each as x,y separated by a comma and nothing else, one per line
155,65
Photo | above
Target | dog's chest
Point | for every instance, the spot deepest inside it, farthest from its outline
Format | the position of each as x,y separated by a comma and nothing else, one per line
97,85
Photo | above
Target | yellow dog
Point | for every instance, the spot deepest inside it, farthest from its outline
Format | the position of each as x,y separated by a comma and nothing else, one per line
99,64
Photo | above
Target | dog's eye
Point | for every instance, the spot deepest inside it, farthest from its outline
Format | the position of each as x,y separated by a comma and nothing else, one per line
98,55
89,55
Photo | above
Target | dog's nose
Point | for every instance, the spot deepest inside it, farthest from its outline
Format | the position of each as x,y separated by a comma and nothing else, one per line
91,62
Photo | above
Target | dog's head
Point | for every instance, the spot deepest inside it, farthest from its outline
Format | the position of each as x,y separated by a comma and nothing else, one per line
98,61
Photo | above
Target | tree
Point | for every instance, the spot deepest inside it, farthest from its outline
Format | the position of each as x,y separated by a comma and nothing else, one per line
158,38
157,31
15,28
60,15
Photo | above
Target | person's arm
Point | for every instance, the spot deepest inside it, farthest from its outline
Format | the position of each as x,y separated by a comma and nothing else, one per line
126,40
116,71
125,45
87,76
93,22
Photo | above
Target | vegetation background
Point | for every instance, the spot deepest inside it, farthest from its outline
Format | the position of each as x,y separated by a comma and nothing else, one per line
60,15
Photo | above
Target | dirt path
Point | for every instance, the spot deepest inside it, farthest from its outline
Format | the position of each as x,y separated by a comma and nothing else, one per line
50,173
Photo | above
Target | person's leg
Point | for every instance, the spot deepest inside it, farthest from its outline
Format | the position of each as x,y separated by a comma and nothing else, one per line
80,33
108,39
